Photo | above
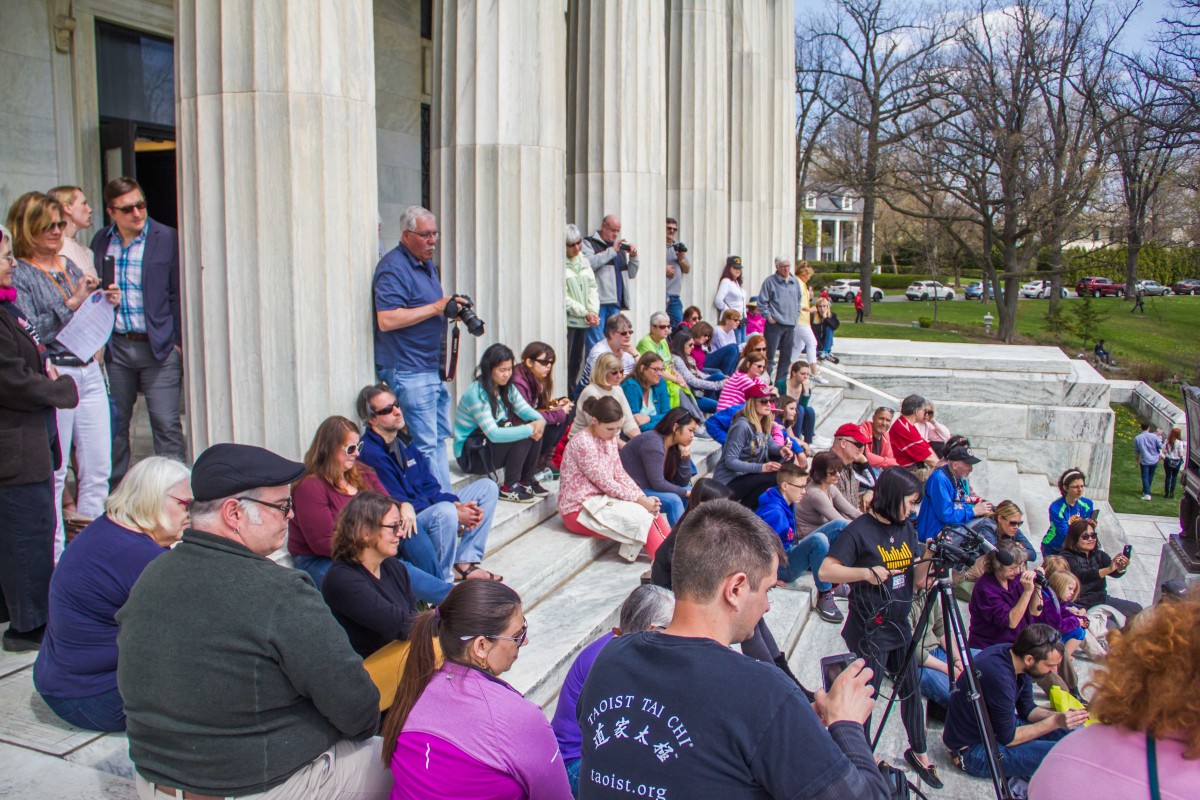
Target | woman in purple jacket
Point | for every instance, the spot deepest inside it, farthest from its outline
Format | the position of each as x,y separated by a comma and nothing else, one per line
533,381
458,730
1005,599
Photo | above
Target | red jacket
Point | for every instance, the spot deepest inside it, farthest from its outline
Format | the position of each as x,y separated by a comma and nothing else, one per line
858,301
885,458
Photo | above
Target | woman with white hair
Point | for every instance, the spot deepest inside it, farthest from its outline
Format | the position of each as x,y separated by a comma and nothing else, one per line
76,668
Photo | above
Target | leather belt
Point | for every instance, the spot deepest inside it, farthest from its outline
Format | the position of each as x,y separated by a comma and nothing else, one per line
133,337
186,795
64,360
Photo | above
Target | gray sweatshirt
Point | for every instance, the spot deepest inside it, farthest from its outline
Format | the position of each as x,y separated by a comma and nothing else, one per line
605,263
780,298
745,451
233,671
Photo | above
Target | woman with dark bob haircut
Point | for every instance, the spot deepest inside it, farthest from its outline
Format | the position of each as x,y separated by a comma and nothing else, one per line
875,554
1147,711
488,741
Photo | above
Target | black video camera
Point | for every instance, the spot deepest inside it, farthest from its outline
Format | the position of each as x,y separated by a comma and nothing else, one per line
959,547
458,309
680,247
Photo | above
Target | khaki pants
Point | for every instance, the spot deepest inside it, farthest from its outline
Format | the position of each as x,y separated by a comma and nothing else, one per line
346,771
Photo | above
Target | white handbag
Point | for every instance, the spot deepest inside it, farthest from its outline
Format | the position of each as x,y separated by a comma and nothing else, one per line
622,521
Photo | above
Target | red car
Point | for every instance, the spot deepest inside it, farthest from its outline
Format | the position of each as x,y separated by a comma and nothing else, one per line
1096,287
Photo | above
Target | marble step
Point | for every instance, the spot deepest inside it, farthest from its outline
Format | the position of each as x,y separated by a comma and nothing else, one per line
791,610
848,410
28,774
997,480
545,557
900,354
1083,387
26,720
565,622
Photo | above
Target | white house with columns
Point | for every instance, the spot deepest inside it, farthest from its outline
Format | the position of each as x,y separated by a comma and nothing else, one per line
277,133
831,224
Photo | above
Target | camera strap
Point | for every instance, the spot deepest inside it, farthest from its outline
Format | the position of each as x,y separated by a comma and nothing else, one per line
450,362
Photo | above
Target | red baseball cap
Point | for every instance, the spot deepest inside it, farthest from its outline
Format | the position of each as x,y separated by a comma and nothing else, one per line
756,391
851,431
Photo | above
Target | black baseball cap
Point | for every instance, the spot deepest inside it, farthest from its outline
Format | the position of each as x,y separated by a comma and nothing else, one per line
228,469
962,454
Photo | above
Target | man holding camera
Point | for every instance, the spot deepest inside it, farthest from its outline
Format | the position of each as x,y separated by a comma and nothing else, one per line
1024,731
610,256
410,336
677,266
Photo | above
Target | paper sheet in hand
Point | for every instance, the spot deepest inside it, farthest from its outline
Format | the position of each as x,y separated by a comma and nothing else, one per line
90,328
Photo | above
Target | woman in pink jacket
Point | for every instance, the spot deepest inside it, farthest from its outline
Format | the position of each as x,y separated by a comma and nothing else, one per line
591,468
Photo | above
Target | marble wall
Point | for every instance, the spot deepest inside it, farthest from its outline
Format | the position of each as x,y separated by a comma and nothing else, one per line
401,78
28,157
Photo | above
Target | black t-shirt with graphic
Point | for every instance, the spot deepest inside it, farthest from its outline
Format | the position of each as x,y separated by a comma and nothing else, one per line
677,718
880,612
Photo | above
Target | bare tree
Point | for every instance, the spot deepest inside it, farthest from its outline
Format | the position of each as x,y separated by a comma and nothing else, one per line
885,54
813,112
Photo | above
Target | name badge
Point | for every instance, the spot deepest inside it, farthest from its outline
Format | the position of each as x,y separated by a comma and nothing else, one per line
410,462
898,581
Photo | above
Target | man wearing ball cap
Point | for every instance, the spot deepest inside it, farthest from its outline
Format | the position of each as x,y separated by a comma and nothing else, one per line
850,445
236,678
947,500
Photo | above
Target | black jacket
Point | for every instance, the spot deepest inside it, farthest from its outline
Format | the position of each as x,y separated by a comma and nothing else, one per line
28,397
1093,589
160,283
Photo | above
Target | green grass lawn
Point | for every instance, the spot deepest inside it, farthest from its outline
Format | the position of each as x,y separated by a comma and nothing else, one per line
1125,490
1161,347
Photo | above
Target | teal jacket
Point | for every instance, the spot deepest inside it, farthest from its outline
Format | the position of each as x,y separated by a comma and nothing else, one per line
660,396
474,411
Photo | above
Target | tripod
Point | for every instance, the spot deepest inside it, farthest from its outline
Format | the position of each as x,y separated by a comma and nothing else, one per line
943,592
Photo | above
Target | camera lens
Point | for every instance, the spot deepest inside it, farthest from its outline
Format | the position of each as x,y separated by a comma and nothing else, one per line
473,324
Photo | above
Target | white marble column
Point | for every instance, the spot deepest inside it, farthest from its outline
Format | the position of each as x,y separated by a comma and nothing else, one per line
837,240
616,133
751,101
277,190
698,140
498,160
782,156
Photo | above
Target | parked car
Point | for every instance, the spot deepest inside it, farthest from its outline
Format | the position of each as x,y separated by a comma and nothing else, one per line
928,290
843,290
1040,290
1152,288
1186,286
974,291
1099,287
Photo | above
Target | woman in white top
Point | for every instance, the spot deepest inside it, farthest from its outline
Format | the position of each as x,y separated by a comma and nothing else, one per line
607,375
730,294
1172,458
727,330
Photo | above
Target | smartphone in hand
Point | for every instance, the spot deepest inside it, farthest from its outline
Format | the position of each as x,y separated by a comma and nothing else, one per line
108,275
832,666
1128,551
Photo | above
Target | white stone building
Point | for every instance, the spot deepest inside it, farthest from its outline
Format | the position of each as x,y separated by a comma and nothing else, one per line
832,224
274,132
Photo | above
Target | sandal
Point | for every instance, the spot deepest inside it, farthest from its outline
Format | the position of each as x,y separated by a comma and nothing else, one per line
463,574
927,774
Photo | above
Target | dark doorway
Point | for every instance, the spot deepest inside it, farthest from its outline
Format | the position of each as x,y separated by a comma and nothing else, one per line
135,75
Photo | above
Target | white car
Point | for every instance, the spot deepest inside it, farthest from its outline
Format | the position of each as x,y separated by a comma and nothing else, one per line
1040,290
844,289
928,290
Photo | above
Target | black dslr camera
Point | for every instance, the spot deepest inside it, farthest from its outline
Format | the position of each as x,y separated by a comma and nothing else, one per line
458,309
680,247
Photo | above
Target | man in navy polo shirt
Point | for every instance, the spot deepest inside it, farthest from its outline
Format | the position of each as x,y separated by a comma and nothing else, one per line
410,327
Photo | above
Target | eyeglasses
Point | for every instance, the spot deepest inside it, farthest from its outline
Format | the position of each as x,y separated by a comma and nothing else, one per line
187,504
426,235
353,449
625,333
284,508
762,349
797,485
1016,523
545,362
56,226
672,228
668,325
521,637
1091,537
138,206
616,372
394,527
1075,487
656,369
389,408
859,445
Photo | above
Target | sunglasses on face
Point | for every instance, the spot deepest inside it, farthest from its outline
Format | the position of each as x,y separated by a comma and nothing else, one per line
139,206
385,410
520,638
545,362
353,449
1090,537
56,226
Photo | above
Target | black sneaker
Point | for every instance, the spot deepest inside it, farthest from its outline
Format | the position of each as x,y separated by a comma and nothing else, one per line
517,494
827,609
14,642
536,489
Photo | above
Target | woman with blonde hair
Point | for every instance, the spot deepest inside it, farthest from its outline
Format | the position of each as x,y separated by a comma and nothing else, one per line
607,375
76,668
750,457
1146,738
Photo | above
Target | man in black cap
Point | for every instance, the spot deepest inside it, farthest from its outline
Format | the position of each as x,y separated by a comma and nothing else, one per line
236,678
948,499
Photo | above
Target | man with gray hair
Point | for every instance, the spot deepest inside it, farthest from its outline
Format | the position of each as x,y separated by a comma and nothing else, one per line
911,449
237,680
680,713
410,336
610,256
779,305
658,341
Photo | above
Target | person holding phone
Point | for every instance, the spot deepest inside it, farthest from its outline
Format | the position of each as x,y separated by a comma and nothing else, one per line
876,555
1092,566
50,289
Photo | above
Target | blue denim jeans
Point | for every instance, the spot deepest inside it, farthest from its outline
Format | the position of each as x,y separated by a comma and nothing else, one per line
1019,762
440,523
674,309
810,552
315,566
425,400
935,684
572,766
825,346
806,423
596,333
101,712
1148,477
723,359
672,504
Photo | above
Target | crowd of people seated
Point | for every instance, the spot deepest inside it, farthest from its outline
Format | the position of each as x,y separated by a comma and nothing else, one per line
355,671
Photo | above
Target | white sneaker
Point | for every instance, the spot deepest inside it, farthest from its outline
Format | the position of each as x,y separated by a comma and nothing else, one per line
820,443
1146,497
821,380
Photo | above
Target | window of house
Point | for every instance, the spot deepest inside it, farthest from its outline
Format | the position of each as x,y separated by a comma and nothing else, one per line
810,200
847,203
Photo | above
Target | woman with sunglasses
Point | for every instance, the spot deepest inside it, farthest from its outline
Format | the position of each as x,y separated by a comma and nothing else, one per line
458,730
660,461
368,590
646,392
1093,567
50,289
332,478
703,387
76,668
606,382
750,458
534,383
749,373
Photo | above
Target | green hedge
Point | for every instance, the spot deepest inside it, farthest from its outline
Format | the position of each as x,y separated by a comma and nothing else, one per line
886,281
1156,263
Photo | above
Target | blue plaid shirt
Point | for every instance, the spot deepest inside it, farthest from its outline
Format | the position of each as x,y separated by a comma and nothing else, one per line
131,315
